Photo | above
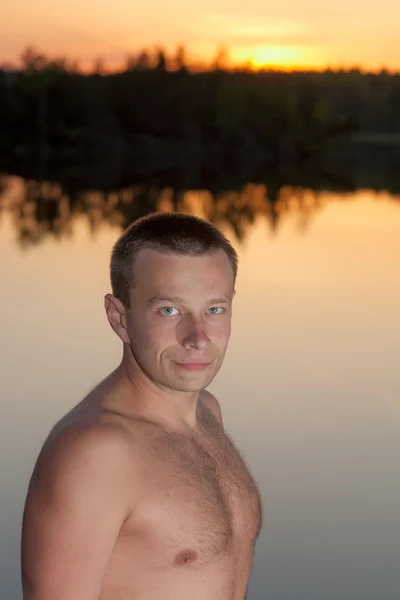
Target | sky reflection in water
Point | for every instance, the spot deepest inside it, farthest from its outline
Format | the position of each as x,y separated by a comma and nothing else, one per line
310,388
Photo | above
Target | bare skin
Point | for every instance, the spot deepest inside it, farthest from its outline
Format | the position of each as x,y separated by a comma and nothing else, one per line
138,493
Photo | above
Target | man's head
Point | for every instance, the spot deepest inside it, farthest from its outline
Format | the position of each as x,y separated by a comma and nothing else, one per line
178,233
173,279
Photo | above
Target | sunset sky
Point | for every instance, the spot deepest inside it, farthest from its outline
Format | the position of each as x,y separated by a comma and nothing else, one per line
288,33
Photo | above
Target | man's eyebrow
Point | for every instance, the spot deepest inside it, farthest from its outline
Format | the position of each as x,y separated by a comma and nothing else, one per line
172,299
176,299
224,300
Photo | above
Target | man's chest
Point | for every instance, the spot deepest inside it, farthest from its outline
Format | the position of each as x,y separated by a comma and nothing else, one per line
200,497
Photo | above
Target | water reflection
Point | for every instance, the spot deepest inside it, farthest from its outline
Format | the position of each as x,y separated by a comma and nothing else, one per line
41,209
309,387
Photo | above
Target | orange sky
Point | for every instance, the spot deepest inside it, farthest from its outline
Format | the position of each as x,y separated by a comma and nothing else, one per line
289,33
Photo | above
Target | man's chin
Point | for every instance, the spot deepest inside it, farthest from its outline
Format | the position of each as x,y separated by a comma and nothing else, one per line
192,386
194,381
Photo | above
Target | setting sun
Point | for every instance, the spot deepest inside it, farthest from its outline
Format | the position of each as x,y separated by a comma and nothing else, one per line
282,57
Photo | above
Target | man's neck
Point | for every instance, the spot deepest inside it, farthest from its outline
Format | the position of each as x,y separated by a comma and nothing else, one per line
135,395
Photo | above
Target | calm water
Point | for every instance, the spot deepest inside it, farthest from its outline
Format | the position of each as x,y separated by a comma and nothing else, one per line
310,388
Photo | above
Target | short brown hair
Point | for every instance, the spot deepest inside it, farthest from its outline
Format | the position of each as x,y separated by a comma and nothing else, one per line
166,232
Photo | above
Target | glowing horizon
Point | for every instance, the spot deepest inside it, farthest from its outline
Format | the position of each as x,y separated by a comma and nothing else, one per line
288,37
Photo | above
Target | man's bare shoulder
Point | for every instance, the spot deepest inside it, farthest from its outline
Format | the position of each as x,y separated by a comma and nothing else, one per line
84,446
82,491
211,403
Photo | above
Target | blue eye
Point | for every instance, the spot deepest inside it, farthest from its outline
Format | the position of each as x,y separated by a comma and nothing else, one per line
168,311
215,310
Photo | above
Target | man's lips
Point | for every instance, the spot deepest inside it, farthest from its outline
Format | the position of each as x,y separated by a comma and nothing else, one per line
194,365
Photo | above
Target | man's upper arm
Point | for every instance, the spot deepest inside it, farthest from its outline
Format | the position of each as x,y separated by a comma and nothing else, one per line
77,502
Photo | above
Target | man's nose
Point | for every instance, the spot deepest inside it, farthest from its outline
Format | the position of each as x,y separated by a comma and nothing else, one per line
195,335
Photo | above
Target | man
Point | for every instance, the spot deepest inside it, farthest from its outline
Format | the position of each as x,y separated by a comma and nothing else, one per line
138,494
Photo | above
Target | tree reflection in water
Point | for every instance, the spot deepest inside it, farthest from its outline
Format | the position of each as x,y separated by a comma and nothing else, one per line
43,209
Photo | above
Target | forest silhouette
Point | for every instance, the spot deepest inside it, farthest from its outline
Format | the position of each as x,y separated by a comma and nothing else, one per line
157,115
161,128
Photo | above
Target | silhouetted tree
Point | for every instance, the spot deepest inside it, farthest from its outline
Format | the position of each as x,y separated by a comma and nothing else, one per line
130,62
180,59
220,61
32,60
161,60
143,60
99,66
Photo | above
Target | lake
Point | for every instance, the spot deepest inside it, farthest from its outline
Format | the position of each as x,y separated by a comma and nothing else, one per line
310,388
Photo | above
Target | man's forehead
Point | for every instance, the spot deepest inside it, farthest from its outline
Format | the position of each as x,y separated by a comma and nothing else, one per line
176,286
154,257
170,266
156,274
179,282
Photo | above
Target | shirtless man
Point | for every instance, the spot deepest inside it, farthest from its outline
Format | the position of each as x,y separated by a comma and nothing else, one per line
138,494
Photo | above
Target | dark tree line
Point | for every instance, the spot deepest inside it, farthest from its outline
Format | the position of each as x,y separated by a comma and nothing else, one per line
108,129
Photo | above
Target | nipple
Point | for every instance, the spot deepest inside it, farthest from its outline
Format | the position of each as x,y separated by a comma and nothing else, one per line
185,557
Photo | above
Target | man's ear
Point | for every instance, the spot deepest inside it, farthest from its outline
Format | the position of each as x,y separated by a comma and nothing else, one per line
116,316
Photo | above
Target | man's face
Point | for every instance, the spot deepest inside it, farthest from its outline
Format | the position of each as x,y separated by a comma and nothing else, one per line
179,320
